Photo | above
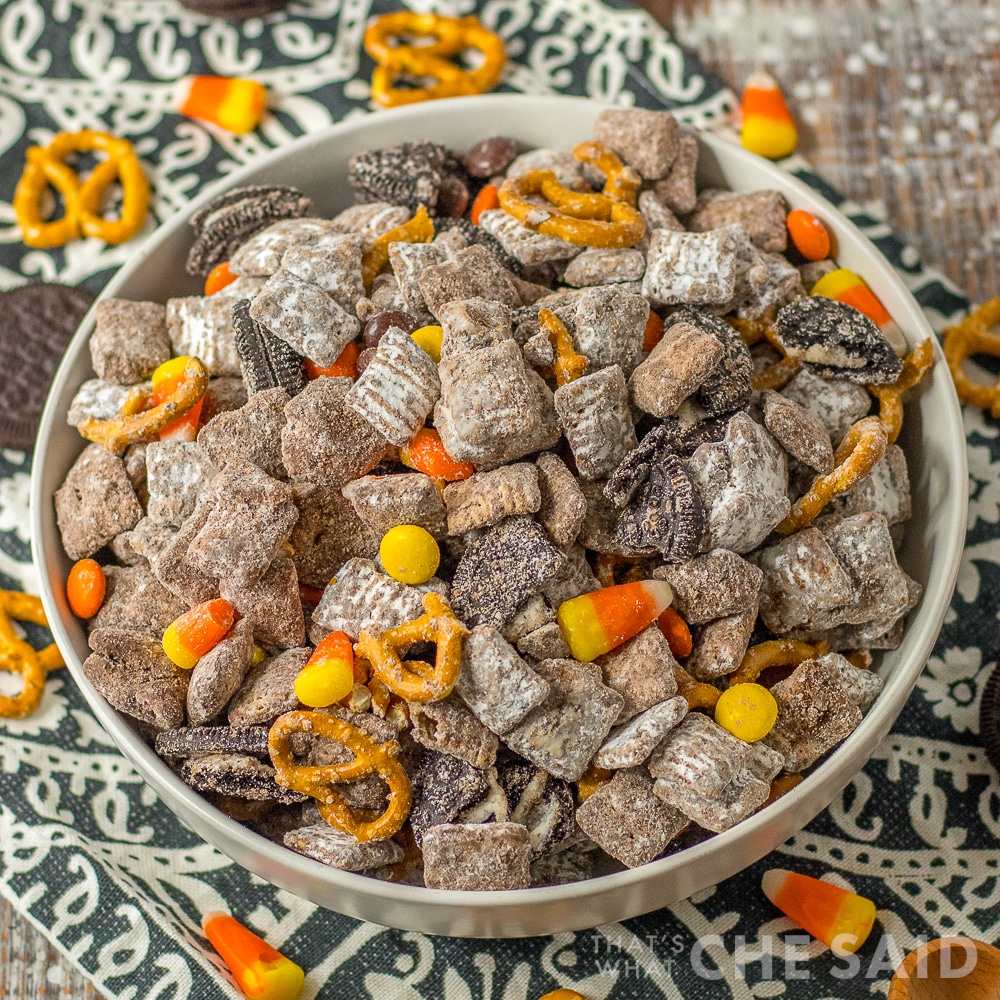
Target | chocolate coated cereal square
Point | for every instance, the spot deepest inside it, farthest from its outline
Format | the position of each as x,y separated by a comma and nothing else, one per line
477,856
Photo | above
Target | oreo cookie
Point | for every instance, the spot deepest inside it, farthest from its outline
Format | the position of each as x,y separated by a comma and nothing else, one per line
267,362
989,719
36,323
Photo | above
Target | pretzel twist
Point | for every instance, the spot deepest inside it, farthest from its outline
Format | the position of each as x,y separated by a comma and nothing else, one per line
19,657
972,336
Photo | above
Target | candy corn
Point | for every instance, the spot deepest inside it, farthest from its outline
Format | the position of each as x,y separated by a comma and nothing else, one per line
218,278
165,382
840,919
196,632
328,675
260,972
768,128
595,623
847,287
233,104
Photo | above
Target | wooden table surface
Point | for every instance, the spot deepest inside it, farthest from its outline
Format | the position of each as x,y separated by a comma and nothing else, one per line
898,103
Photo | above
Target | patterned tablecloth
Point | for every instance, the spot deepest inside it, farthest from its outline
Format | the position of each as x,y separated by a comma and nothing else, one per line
93,859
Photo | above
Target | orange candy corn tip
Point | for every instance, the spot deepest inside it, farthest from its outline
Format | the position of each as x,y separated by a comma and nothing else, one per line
842,920
768,127
233,104
260,972
596,623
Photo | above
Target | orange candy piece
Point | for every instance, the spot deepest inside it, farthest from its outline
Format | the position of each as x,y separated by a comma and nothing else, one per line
486,201
345,365
188,638
768,127
675,630
427,454
85,588
808,234
842,920
653,333
261,972
218,278
166,380
231,103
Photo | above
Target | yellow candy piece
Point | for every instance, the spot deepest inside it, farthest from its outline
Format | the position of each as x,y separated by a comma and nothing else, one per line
430,338
172,369
409,554
258,656
324,683
748,711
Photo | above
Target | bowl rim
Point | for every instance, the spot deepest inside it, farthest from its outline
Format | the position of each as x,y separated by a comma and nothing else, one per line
913,651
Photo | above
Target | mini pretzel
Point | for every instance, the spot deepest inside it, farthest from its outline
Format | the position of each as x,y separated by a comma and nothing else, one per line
695,693
782,786
972,336
415,680
44,166
369,758
863,445
775,653
19,657
135,424
916,364
454,35
419,229
622,182
568,365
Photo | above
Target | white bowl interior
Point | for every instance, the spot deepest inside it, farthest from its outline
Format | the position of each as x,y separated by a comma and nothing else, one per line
932,436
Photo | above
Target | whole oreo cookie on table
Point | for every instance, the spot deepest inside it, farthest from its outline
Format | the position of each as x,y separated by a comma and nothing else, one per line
36,323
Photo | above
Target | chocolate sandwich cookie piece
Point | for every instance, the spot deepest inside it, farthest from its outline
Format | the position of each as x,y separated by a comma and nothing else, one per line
203,741
409,174
37,321
267,361
989,719
232,218
479,236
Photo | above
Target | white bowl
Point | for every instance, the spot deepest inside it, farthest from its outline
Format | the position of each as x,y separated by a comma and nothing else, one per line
932,437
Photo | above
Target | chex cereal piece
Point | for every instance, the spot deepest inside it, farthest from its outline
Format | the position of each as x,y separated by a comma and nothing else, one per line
384,502
752,274
95,502
885,490
531,615
646,140
657,213
272,604
397,389
409,174
814,715
324,440
528,246
783,284
252,432
470,273
261,255
134,599
268,689
371,219
252,516
477,856
608,325
333,263
219,674
700,756
566,730
469,324
677,190
641,671
595,416
449,727
442,787
835,402
743,481
304,316
169,559
544,643
177,475
761,213
836,341
711,586
200,741
122,549
202,327
862,687
486,498
766,764
628,821
477,236
720,645
493,408
802,578
134,674
408,261
129,341
573,579
812,270
266,361
605,267
675,368
364,598
728,387
561,162
541,802
563,506
538,351
693,268
340,850
631,744
743,795
500,569
98,399
234,774
798,431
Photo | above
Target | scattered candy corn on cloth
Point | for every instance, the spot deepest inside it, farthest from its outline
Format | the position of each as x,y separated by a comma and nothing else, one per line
96,862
